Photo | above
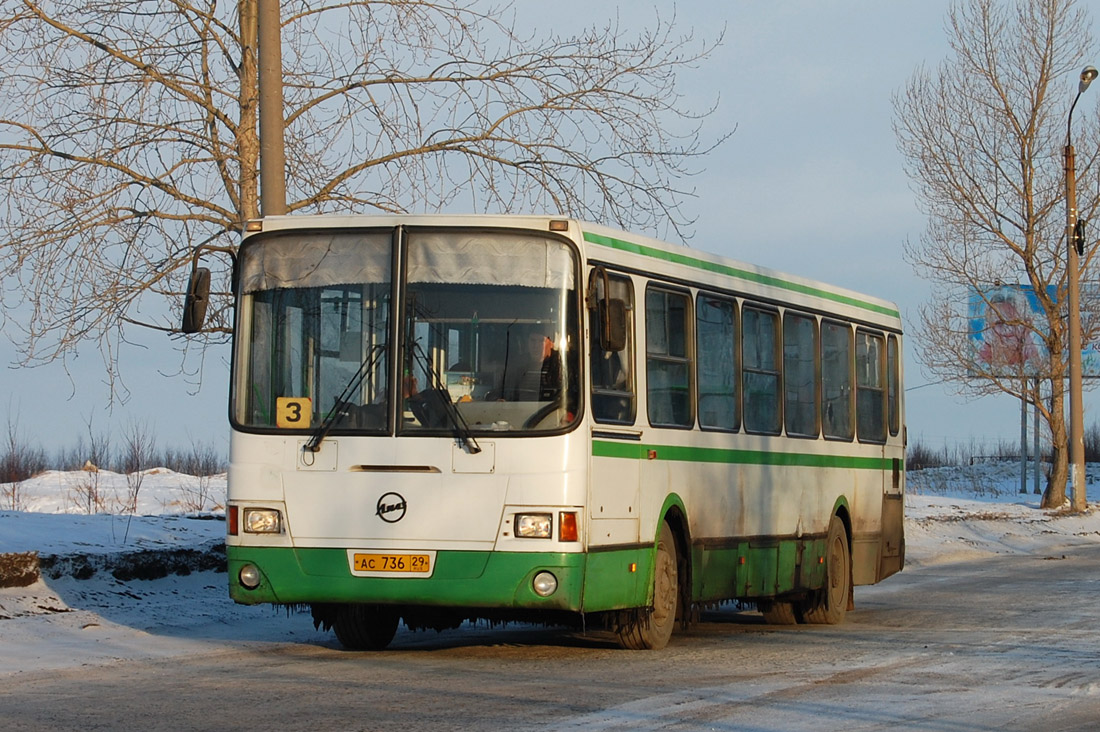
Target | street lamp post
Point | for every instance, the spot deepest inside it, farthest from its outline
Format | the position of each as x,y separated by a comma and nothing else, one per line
1076,406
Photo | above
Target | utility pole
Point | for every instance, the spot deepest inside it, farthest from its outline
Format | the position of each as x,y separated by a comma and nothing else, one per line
1073,274
272,124
1023,433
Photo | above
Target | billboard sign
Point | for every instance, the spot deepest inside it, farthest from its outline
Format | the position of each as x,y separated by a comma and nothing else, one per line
1007,334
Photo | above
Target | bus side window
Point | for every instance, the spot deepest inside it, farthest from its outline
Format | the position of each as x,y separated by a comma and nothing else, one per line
716,380
836,380
668,358
800,374
893,380
760,370
612,372
870,390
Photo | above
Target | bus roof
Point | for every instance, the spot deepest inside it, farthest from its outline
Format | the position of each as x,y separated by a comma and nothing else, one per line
642,253
703,267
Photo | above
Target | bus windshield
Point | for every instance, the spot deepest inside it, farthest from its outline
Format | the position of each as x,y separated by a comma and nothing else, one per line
487,340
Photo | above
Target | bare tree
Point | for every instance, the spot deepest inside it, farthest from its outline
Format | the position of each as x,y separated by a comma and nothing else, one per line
128,138
138,448
87,492
19,460
983,137
202,463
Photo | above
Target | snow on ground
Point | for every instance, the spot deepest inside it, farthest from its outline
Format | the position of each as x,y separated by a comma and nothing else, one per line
60,622
958,513
84,511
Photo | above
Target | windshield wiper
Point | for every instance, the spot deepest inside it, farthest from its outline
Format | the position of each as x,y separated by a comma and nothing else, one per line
462,429
339,408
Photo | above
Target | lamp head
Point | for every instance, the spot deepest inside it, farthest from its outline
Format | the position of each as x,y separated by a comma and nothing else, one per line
1087,75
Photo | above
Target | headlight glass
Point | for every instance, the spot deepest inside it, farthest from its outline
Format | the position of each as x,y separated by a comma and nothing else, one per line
534,525
545,584
249,577
262,521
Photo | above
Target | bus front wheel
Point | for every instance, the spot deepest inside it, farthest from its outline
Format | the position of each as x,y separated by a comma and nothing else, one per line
829,604
365,627
651,631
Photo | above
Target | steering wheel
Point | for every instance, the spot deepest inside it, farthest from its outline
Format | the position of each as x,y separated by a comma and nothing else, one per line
542,413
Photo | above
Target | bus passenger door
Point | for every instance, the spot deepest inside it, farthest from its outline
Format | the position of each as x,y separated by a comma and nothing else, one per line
611,579
616,443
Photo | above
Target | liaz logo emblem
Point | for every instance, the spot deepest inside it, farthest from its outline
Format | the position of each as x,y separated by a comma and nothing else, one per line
391,508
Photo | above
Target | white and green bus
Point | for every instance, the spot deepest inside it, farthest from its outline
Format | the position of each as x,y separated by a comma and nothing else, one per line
442,418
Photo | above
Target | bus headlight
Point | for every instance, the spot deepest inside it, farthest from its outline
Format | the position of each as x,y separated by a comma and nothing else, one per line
249,576
534,525
262,521
545,584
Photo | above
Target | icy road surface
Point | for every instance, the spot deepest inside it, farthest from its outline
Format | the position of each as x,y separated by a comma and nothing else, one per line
1001,643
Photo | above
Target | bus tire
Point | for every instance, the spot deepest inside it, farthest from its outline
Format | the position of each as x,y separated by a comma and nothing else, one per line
365,627
778,612
829,605
652,630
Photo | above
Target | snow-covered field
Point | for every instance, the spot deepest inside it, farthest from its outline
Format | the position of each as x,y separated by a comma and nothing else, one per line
61,622
53,517
956,513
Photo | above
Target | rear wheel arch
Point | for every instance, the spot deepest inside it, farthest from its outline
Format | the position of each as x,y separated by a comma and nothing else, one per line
842,511
843,514
675,515
829,604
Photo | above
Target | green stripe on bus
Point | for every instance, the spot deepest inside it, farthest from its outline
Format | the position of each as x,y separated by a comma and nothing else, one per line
637,451
742,274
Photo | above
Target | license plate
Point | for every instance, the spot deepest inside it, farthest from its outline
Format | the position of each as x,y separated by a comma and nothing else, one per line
389,564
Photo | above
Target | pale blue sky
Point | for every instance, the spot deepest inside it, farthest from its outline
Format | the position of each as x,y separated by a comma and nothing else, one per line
810,183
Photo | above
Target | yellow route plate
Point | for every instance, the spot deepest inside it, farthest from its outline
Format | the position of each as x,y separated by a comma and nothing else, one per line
293,412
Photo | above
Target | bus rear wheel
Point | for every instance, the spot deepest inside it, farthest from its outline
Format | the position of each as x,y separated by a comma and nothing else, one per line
365,627
652,631
829,604
779,612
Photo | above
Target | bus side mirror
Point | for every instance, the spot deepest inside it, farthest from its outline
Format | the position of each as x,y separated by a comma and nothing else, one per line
612,313
196,299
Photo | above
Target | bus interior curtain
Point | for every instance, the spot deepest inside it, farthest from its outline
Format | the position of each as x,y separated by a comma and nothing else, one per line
489,258
316,260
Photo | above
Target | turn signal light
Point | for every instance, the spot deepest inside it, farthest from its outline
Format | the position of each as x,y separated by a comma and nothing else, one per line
567,526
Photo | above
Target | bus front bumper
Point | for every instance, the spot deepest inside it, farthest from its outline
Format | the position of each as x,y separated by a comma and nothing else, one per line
287,575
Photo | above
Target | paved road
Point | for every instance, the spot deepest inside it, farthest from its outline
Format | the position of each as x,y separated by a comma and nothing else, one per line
1004,644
